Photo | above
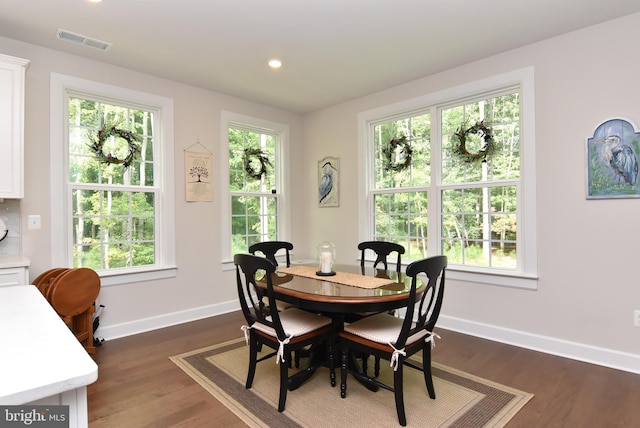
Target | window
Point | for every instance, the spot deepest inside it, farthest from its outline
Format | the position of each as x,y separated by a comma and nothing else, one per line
256,190
114,219
480,214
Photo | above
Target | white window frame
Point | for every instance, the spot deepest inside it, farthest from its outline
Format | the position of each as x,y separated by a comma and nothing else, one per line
282,153
526,276
61,225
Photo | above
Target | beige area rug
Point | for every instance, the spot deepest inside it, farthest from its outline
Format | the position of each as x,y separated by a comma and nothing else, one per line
462,400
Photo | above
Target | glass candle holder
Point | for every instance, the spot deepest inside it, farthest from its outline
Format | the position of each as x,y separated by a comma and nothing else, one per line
326,258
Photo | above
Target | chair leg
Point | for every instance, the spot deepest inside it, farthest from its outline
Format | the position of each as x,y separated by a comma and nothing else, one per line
399,394
254,346
284,381
376,367
343,372
426,369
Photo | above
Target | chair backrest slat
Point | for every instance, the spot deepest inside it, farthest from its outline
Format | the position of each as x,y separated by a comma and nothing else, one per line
382,250
270,248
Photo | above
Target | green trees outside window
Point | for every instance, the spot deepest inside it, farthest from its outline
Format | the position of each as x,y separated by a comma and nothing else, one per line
113,207
472,207
254,200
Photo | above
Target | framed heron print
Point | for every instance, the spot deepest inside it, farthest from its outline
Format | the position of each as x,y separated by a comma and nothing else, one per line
612,161
329,182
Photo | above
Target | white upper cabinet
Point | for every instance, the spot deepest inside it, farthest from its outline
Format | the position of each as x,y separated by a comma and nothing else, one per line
12,76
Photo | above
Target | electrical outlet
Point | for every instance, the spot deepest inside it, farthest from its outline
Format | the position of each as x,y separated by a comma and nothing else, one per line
636,317
33,222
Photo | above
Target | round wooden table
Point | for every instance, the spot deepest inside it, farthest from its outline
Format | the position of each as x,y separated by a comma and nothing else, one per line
337,300
321,294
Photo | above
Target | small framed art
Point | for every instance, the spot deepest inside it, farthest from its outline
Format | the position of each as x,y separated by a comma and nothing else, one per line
329,182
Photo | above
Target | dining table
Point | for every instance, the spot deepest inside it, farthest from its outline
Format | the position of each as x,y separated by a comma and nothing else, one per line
349,290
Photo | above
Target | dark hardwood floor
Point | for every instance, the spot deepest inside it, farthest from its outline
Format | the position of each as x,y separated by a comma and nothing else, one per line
138,386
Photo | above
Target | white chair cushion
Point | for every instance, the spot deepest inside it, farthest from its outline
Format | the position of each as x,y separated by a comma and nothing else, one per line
295,322
381,328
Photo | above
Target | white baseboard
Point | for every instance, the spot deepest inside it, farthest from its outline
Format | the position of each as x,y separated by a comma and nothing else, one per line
576,351
110,332
550,345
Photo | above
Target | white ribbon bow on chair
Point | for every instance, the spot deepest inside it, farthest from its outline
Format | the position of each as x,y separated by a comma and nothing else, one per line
397,352
245,329
280,355
432,338
395,356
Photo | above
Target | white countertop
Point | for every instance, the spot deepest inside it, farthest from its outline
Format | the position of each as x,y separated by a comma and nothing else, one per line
14,261
40,356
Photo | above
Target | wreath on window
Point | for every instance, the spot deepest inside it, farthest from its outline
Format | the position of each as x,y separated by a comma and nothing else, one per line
111,130
488,147
251,158
390,150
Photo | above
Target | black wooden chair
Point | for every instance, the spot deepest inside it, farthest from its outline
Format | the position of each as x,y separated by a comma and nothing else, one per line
271,248
382,249
396,339
285,332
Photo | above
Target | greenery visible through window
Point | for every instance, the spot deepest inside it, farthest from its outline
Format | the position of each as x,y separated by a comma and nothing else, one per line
254,200
113,208
473,204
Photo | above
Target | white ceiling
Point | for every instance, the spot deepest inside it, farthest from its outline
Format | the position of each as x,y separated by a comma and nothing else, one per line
332,50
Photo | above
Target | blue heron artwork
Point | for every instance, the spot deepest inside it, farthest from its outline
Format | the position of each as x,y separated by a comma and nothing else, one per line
612,156
328,182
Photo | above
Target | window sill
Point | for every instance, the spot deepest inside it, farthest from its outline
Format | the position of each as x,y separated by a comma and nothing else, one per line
488,277
128,276
499,278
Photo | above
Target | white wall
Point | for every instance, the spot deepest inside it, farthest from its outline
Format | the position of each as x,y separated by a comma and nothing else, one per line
589,250
201,288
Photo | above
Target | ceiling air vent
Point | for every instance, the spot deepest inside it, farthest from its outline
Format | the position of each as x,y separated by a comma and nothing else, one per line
82,40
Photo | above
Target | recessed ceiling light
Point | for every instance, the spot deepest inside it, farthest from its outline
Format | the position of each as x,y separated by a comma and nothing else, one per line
275,63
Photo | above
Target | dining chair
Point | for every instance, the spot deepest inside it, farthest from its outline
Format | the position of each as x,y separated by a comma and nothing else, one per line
270,248
283,331
396,339
382,249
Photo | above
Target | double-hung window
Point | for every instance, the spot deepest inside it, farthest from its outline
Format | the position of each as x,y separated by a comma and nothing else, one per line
115,213
256,189
454,174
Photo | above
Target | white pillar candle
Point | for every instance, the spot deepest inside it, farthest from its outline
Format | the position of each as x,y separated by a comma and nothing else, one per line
325,262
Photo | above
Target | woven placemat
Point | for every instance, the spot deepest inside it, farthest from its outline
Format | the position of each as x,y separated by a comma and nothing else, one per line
352,279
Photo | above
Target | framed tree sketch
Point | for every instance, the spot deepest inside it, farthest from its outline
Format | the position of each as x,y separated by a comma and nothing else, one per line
612,161
197,166
329,182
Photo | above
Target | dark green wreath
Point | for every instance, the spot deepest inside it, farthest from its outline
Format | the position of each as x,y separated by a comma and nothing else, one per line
111,130
488,147
250,157
389,152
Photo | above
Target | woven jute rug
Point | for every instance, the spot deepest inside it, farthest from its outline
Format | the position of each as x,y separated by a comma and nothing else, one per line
462,400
